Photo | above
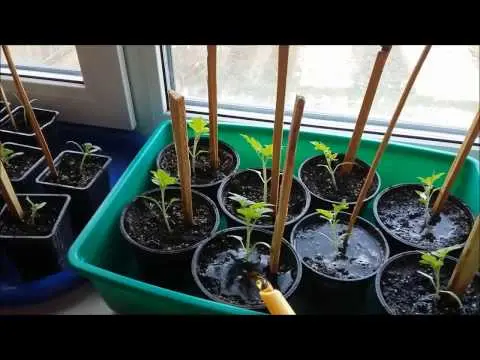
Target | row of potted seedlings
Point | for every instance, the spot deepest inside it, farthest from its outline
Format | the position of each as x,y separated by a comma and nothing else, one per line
174,230
47,201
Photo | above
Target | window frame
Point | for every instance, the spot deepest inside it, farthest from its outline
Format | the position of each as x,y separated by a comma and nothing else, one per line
101,98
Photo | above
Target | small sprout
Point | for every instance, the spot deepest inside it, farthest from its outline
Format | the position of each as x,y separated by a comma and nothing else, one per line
330,157
7,154
162,179
331,217
87,149
428,190
199,127
250,212
34,207
435,259
265,153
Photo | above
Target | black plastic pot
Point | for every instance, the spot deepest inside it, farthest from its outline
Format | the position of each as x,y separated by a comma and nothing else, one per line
319,201
44,116
233,220
209,188
339,293
26,183
85,200
39,256
171,268
258,235
409,258
399,244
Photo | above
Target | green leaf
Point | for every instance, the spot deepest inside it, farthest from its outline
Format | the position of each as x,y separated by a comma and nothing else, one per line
339,207
162,179
250,211
442,253
242,200
265,152
320,146
199,126
429,181
328,214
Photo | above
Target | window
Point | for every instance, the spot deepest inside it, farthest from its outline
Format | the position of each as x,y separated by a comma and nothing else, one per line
86,84
333,80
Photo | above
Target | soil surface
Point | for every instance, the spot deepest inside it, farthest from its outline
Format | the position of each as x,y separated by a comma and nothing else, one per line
69,173
408,293
145,224
363,256
23,125
319,181
19,165
402,213
226,274
249,185
44,220
204,173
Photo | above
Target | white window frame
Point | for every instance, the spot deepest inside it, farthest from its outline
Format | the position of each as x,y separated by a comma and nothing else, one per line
103,98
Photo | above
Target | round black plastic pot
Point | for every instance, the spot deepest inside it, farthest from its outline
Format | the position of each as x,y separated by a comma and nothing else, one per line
85,200
39,256
26,182
405,260
48,125
233,220
208,187
170,268
344,293
322,202
286,281
398,244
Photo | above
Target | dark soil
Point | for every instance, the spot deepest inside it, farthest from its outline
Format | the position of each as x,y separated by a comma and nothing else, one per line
23,125
44,220
144,222
319,181
69,173
403,214
225,273
248,184
204,173
19,165
363,256
408,293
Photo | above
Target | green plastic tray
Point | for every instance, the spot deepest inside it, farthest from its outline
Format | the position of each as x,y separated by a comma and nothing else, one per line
103,256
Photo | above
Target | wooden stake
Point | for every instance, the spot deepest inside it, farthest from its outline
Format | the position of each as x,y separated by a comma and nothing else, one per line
212,104
9,195
28,108
7,105
469,262
177,106
282,210
278,126
457,163
351,153
386,138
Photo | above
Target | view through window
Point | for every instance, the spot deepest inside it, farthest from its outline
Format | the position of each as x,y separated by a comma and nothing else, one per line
333,80
45,57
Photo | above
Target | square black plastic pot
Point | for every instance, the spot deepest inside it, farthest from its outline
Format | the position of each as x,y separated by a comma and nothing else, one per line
49,129
26,183
85,200
39,256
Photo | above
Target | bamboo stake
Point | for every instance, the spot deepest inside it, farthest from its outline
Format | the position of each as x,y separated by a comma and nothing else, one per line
286,186
457,163
469,262
177,106
386,138
9,194
377,71
278,126
29,110
7,105
212,104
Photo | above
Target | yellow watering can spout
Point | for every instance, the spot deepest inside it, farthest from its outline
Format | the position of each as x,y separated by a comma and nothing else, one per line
274,300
